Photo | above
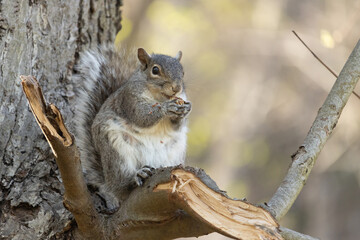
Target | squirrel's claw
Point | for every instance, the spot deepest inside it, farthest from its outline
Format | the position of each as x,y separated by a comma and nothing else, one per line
179,110
142,174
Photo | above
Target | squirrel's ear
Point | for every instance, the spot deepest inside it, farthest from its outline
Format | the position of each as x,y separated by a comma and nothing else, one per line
178,56
144,57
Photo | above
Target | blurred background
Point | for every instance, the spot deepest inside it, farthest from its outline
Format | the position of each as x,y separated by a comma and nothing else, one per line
256,90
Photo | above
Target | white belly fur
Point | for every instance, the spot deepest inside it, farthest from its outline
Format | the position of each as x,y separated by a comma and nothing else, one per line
158,146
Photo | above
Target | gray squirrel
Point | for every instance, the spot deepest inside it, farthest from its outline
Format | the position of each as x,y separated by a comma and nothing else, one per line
131,117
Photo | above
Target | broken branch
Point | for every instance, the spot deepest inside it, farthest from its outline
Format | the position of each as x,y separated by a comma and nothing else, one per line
77,197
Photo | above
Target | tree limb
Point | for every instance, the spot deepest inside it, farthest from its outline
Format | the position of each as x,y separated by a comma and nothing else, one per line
179,192
304,159
76,198
175,202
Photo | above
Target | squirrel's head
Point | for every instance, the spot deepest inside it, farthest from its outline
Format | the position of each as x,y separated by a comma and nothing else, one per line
164,74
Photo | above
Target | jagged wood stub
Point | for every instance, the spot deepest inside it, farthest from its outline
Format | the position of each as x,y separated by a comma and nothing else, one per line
76,197
233,218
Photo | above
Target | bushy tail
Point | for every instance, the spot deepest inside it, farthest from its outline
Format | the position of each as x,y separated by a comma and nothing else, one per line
100,73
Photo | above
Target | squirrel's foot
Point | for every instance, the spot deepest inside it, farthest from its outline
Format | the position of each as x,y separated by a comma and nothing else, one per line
142,174
111,202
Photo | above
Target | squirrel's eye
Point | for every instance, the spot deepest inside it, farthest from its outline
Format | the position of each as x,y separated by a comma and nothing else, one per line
155,70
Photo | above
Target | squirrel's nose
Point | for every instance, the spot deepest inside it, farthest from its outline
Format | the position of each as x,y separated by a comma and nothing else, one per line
176,88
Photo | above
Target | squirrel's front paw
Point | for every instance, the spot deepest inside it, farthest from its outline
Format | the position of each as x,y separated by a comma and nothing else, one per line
142,174
178,110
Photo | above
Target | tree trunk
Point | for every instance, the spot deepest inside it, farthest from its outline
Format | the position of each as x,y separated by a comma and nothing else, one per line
41,38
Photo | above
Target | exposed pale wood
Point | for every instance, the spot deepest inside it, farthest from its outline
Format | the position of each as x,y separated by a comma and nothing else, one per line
234,218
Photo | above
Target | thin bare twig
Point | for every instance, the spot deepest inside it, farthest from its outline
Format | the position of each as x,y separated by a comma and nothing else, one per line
328,68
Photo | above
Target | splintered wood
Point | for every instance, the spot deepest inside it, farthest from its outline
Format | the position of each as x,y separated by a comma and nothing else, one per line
77,198
234,218
47,116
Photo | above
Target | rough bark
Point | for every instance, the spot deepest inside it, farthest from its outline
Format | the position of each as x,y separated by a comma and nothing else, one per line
41,38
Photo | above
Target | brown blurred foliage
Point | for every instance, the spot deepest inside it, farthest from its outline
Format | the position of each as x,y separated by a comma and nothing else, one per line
255,91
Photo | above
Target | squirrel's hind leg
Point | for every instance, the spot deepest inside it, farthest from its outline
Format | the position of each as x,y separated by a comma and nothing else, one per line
111,201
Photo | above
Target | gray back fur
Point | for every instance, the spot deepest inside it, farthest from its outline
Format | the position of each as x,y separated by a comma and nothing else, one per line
100,73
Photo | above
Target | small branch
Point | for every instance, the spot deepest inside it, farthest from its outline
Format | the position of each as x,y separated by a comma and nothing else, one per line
304,159
76,198
328,68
